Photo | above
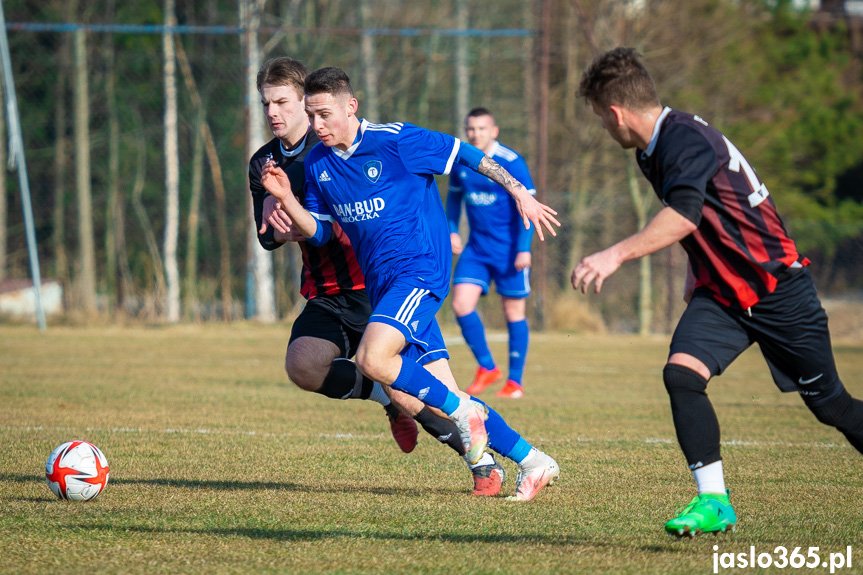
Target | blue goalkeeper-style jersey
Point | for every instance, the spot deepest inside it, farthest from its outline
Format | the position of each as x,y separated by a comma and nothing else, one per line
383,194
496,228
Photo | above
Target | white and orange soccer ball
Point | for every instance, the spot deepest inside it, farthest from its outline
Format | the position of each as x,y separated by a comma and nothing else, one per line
77,471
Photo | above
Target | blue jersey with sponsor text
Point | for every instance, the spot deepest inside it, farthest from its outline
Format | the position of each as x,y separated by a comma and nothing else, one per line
383,194
497,230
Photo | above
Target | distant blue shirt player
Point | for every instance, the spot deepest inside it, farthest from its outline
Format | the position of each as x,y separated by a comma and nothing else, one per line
498,250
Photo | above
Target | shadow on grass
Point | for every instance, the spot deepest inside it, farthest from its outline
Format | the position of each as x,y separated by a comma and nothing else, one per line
248,485
303,535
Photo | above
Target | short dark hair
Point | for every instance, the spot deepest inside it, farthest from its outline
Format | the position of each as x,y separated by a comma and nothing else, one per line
283,71
329,80
477,112
617,77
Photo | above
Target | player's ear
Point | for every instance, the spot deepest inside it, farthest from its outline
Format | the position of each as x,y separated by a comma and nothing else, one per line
618,114
353,106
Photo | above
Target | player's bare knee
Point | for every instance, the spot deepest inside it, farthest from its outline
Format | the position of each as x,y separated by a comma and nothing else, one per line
304,375
461,308
367,361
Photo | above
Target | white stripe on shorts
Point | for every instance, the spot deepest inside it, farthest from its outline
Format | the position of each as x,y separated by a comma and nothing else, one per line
410,305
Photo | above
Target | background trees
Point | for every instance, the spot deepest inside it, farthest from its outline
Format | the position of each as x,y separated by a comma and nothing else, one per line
95,107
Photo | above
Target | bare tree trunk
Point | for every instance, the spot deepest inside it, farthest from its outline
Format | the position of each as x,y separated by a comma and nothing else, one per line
576,196
86,279
191,298
431,81
369,65
172,171
58,237
462,67
641,202
144,220
529,78
218,186
261,293
405,74
542,154
115,277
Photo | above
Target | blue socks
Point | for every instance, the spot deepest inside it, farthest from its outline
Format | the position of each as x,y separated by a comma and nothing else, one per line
418,382
518,340
474,334
503,439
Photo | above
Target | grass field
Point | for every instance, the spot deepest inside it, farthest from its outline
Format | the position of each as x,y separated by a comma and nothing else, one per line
218,465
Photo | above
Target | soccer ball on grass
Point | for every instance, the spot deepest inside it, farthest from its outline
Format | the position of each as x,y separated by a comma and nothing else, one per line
77,471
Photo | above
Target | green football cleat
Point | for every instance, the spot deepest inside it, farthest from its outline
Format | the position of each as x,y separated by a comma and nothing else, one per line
707,513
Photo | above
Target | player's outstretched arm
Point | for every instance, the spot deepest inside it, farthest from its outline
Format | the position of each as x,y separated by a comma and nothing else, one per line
666,228
530,209
275,180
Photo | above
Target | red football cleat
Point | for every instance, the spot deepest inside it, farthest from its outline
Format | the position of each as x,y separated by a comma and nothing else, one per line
487,479
484,377
403,427
511,390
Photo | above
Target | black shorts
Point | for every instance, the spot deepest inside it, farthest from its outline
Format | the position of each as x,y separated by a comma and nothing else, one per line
340,318
789,325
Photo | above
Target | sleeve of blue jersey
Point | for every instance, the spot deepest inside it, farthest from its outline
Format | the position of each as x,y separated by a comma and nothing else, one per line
469,156
426,152
323,231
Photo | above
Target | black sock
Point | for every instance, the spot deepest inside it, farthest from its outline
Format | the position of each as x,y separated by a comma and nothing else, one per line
441,429
694,419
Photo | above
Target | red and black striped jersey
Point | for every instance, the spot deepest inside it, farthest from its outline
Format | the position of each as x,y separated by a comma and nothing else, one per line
327,270
740,249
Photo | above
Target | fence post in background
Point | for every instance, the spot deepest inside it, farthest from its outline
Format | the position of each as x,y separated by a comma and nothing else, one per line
16,160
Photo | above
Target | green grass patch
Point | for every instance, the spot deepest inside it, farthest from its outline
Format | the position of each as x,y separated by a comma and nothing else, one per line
220,465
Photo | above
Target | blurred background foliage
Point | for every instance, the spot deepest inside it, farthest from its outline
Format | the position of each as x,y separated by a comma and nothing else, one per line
781,81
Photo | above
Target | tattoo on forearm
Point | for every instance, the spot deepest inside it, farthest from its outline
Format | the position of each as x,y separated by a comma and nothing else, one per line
496,172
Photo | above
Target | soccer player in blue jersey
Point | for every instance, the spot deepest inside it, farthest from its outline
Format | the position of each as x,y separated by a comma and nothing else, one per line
376,181
746,282
327,332
498,249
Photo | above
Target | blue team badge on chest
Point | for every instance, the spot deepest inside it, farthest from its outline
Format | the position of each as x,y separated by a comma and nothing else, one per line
372,170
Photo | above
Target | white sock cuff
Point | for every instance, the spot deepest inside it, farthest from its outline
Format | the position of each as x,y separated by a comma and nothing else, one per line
710,478
378,394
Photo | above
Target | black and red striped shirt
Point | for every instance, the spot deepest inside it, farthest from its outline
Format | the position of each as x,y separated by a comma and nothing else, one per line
327,270
740,249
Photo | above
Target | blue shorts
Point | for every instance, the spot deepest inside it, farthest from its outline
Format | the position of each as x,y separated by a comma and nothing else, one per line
411,310
473,268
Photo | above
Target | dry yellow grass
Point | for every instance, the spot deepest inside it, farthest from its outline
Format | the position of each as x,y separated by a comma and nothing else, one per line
219,466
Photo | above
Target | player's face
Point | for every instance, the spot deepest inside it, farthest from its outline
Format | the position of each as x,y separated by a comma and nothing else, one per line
481,131
613,123
332,117
283,107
